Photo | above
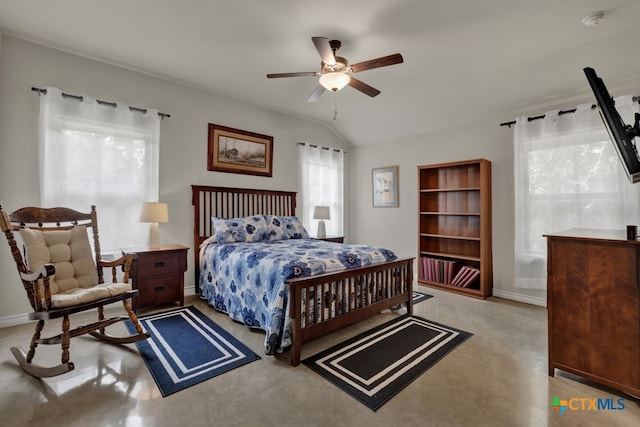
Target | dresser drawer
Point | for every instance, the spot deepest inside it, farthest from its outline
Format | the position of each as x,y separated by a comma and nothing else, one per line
159,264
158,290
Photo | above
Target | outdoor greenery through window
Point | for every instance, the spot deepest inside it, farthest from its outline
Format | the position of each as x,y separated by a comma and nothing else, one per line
574,184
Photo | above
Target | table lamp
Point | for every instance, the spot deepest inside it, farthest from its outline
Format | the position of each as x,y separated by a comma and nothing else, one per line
321,213
154,213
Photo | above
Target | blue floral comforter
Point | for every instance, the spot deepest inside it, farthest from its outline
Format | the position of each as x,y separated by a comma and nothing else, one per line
246,280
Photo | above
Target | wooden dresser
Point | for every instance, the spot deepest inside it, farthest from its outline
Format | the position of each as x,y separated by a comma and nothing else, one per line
594,306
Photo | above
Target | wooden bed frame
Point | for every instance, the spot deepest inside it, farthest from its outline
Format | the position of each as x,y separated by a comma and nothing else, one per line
364,291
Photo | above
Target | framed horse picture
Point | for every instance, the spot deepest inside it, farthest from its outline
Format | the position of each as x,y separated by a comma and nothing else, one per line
238,151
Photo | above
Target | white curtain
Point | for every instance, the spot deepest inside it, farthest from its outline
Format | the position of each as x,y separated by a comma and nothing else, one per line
567,175
322,175
96,154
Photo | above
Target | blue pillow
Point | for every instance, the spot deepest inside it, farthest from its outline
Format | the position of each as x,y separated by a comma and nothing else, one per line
275,228
293,228
247,229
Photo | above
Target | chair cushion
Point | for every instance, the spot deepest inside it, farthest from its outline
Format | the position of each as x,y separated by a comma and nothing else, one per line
76,278
77,296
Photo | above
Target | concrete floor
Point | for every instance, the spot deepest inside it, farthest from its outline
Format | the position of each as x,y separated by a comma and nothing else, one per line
496,378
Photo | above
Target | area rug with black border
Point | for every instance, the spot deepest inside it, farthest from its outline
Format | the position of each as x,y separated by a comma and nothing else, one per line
419,297
186,347
377,364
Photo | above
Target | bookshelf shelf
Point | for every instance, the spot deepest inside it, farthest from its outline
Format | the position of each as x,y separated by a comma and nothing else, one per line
445,236
449,256
451,213
454,227
443,190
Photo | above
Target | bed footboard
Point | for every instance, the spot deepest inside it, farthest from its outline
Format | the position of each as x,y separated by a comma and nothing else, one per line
325,303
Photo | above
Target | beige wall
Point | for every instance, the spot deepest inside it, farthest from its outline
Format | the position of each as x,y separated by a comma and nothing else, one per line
397,228
183,140
183,157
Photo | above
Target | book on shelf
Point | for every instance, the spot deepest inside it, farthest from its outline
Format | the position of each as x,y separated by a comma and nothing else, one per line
438,270
471,279
466,276
462,273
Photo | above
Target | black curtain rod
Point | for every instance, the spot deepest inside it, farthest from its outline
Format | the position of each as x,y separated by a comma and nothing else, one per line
530,119
110,104
337,150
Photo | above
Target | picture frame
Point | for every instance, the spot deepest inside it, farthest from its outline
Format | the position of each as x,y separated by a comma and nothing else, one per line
238,151
385,187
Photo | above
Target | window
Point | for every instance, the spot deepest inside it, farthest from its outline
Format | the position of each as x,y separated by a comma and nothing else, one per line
567,175
92,153
322,171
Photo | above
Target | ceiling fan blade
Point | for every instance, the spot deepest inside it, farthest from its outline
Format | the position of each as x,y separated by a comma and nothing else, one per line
304,74
383,61
324,49
316,94
363,87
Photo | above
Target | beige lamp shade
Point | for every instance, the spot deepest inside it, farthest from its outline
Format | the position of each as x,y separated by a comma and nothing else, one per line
321,212
154,213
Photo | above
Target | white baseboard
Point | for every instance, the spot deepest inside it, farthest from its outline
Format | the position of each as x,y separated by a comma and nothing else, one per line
539,301
16,319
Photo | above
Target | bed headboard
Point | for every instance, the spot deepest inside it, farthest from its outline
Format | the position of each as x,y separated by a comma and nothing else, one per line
225,202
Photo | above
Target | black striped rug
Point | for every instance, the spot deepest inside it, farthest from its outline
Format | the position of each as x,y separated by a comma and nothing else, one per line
419,297
375,365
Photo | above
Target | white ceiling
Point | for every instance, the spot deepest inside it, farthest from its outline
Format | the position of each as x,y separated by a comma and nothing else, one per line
464,60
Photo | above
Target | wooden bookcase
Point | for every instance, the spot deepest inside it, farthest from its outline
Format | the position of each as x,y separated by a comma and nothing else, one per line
454,226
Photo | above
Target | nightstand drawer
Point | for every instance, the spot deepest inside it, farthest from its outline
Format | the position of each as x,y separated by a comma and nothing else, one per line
158,275
158,290
159,264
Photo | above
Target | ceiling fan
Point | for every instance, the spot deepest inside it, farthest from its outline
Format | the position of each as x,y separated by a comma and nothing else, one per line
333,69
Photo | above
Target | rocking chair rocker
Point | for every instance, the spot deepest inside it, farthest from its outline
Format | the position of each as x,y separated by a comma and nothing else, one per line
62,278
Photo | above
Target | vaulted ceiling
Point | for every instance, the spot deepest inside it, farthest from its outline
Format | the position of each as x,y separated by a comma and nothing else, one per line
464,60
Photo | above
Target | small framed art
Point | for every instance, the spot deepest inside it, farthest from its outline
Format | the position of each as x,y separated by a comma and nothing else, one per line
238,151
385,187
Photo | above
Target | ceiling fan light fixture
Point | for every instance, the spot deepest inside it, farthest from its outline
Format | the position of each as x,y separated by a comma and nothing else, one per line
334,81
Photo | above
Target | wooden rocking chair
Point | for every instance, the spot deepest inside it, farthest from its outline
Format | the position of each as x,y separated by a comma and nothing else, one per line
61,278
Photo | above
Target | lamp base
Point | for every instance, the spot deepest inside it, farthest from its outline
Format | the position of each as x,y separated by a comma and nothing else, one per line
154,235
322,232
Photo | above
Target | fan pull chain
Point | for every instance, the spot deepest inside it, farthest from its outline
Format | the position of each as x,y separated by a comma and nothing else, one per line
335,105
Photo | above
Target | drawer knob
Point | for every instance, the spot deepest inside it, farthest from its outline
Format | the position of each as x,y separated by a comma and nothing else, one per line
159,288
159,264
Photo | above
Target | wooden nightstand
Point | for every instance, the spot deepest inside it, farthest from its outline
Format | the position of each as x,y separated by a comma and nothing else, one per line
336,239
158,275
